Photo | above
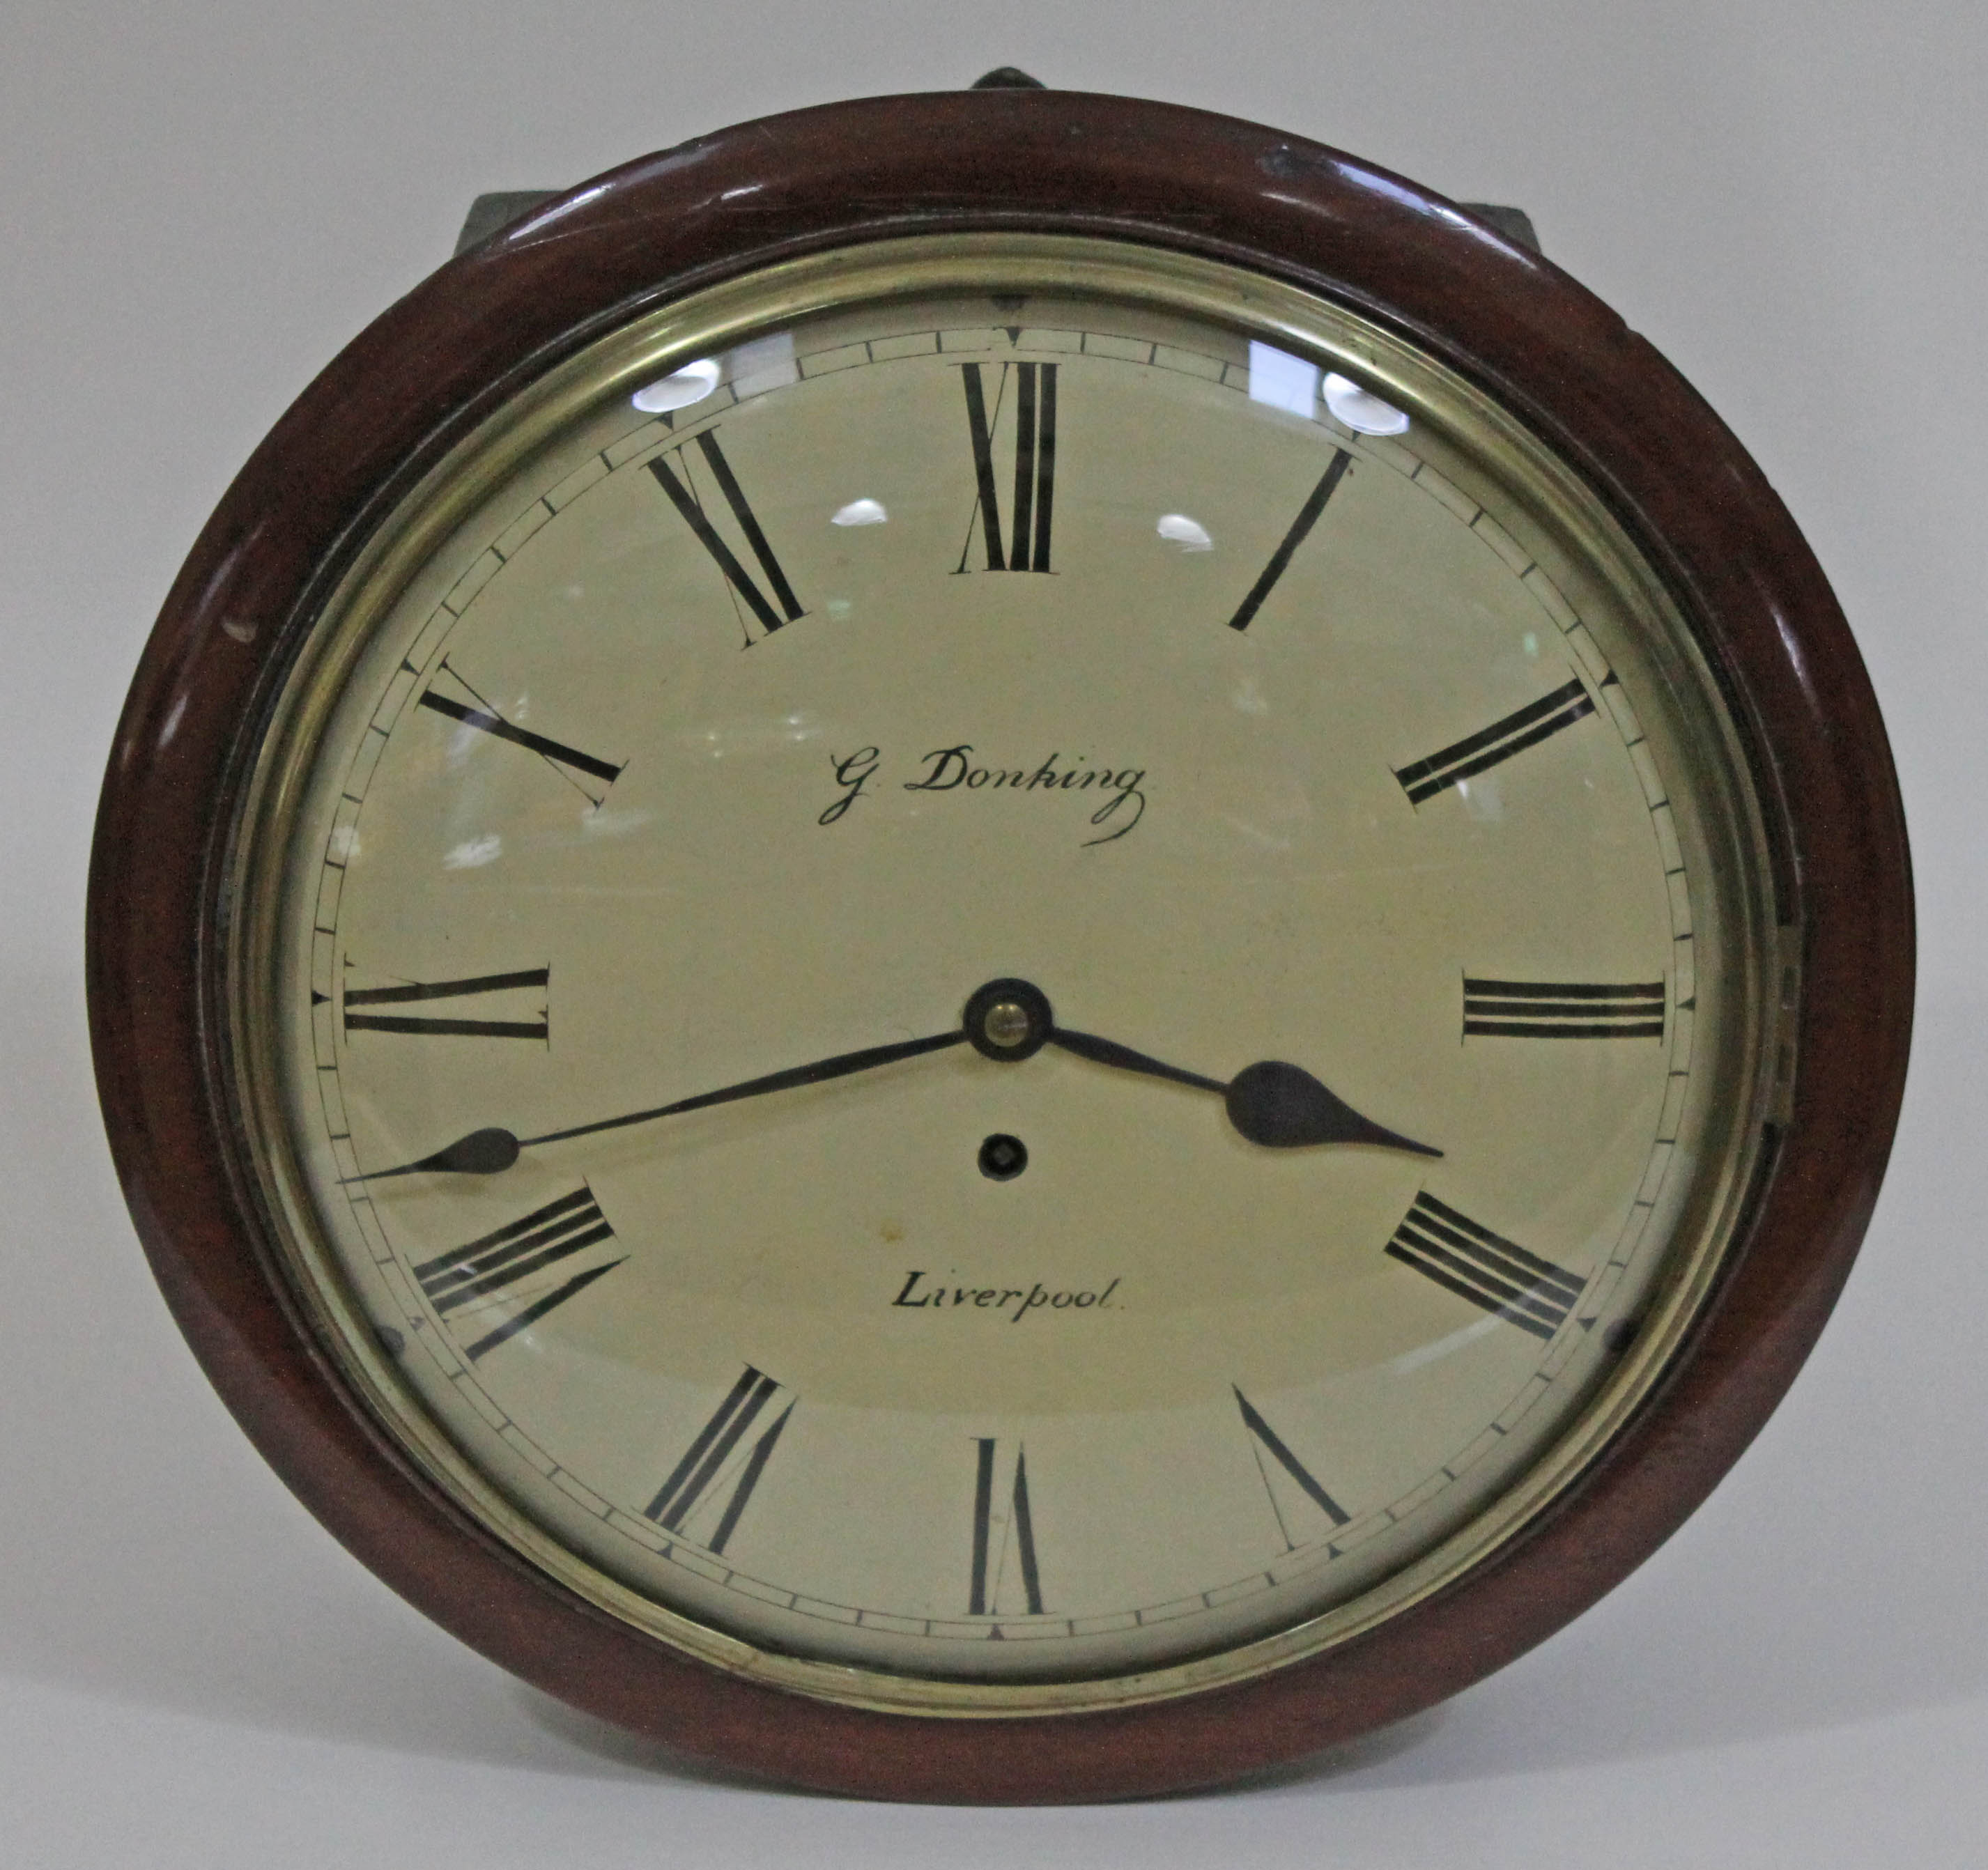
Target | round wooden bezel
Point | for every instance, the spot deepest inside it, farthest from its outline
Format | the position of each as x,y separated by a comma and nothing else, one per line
433,366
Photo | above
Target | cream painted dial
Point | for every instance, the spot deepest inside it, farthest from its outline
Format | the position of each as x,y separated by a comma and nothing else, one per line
1359,839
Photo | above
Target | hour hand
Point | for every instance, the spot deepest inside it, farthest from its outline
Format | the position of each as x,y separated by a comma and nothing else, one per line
1283,1106
1277,1105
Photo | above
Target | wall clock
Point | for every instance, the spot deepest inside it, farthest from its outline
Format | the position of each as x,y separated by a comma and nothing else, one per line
1000,946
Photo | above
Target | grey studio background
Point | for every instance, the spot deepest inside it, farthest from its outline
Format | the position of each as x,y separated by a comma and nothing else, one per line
202,202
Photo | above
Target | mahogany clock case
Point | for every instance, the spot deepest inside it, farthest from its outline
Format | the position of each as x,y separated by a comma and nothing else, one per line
451,352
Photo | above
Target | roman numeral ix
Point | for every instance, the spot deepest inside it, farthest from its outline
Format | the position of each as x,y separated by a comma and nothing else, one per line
700,1477
1267,1441
1562,1009
1000,1528
1476,752
569,763
1035,465
503,1267
540,1029
1287,548
683,497
1485,1268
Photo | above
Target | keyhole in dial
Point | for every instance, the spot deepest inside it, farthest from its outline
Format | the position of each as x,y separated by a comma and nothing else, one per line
1002,1157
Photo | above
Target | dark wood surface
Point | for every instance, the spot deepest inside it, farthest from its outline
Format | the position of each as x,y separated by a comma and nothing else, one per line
999,158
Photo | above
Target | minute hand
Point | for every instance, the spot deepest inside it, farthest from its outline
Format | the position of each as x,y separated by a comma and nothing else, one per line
1278,1105
484,1152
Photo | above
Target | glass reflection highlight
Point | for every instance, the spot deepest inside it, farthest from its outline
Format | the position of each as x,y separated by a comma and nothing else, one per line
1360,409
1189,535
680,389
1281,381
766,363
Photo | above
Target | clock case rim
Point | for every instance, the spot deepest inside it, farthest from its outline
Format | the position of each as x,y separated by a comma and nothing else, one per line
425,373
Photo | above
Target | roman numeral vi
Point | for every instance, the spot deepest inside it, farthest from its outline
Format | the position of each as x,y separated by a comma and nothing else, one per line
1001,1525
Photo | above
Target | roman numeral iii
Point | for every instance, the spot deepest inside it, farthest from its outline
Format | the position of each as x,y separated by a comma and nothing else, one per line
1002,1527
526,980
714,1469
1028,547
683,496
574,767
502,1270
1562,1009
1485,1268
1477,752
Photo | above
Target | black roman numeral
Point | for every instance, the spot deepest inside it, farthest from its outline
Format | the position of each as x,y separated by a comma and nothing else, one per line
996,1531
540,1029
1267,1441
1035,465
1499,741
683,497
569,763
502,1268
1485,1268
1281,558
1562,1009
712,1459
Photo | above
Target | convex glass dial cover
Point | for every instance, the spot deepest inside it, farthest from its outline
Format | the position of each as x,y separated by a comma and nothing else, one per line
1004,961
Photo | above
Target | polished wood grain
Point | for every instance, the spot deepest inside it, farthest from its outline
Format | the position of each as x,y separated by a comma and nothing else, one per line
1018,158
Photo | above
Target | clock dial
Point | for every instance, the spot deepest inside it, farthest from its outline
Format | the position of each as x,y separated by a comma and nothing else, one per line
1003,1130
